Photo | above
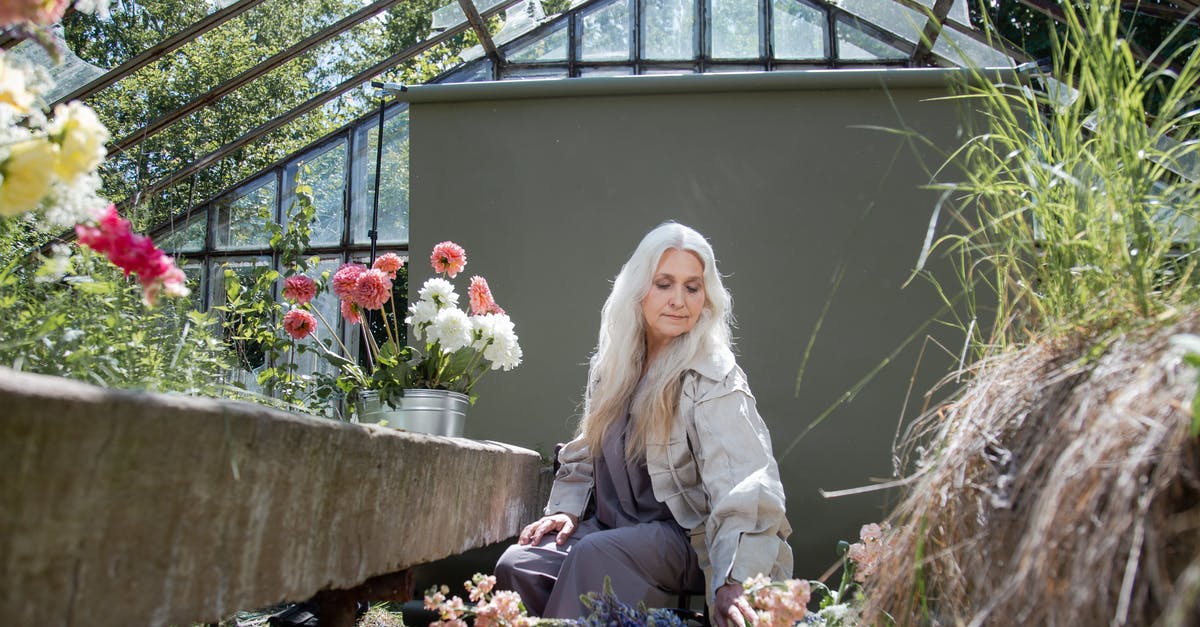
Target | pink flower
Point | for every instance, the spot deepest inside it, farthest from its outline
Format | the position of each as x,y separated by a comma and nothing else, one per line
389,263
43,12
299,324
345,279
350,312
481,298
372,289
299,289
448,257
866,554
134,254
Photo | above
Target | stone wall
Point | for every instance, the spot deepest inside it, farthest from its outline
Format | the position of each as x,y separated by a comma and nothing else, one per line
123,508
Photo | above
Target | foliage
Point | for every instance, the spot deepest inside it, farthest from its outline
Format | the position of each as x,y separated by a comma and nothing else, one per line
1077,210
76,316
211,59
251,312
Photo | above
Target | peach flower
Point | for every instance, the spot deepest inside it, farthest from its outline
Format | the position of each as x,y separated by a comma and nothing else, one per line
299,324
350,312
372,289
389,263
345,279
299,289
481,298
448,257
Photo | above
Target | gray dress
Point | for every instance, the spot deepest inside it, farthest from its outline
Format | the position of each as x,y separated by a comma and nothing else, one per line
628,536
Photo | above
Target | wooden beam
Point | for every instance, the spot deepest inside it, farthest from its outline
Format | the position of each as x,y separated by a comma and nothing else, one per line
152,53
485,38
933,28
309,105
220,91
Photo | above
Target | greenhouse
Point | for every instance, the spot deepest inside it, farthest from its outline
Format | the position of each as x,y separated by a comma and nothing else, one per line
301,304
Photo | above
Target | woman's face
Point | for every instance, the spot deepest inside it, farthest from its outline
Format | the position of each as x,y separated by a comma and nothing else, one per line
675,300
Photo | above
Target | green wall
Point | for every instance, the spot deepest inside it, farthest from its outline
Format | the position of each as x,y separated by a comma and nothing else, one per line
549,185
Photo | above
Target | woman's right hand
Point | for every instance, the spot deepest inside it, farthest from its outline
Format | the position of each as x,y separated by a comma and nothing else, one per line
564,524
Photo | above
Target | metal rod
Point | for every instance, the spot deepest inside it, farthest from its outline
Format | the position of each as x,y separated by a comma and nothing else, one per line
374,232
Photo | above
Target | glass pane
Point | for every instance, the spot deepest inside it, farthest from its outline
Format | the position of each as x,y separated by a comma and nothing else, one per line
667,69
889,16
731,68
325,172
605,35
452,14
964,51
479,71
242,218
251,358
735,29
857,45
194,271
668,29
551,47
327,304
186,237
523,73
608,70
800,30
393,193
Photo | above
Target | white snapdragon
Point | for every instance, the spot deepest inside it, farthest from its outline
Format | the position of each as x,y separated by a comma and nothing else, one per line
14,89
496,337
80,137
452,329
439,291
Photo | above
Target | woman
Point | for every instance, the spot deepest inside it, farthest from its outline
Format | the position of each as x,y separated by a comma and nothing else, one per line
670,484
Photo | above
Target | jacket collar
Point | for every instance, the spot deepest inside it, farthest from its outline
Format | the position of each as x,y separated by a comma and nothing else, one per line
714,364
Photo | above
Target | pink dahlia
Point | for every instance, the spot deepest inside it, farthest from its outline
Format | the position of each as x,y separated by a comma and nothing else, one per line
481,298
299,324
350,312
448,257
345,279
389,263
299,289
373,289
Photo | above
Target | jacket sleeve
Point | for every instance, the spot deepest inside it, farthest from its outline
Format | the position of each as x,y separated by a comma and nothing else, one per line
747,528
573,482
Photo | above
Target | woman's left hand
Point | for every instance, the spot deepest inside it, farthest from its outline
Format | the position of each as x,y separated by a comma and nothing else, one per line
733,610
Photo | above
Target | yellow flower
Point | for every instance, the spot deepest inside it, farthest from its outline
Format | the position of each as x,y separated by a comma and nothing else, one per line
13,89
28,172
80,137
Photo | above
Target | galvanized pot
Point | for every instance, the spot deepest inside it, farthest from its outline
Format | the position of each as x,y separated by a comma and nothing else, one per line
436,412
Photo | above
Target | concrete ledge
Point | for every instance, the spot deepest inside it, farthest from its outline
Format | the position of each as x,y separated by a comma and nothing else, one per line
122,508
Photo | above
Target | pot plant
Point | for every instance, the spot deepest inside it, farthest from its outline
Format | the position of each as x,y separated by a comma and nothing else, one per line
428,384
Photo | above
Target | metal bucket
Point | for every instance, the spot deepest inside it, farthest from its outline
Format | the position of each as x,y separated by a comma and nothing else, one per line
436,412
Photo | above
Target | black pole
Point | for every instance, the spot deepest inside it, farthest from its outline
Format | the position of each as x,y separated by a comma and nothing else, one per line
374,232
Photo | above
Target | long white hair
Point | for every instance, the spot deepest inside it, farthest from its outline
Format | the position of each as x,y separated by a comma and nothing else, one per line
620,355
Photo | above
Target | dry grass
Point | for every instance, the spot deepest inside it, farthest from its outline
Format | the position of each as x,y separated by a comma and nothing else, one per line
1059,487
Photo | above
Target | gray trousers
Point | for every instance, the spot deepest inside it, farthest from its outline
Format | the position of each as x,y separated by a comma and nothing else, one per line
647,562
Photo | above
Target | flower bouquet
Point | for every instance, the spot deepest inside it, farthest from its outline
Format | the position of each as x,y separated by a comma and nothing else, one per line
454,349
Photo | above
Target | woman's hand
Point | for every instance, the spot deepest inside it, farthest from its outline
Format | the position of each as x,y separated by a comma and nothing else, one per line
733,610
564,524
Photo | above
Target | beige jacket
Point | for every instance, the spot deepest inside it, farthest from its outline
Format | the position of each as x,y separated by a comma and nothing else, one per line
716,473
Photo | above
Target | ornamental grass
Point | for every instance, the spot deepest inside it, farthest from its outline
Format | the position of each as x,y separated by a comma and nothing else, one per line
1059,484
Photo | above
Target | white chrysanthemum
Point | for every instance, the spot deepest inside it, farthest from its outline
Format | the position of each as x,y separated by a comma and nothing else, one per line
80,136
451,328
420,315
497,338
440,291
